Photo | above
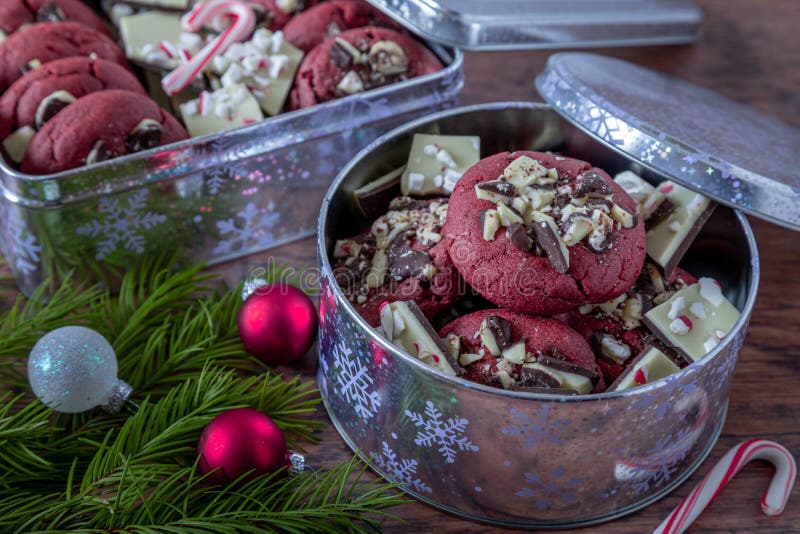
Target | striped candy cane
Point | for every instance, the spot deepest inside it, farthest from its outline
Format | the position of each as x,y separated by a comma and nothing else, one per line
707,490
244,21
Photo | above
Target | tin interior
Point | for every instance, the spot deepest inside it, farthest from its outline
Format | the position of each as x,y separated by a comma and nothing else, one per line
725,249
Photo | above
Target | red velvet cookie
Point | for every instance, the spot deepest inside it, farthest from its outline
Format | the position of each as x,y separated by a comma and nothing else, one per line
17,13
358,60
329,19
40,43
274,14
36,97
97,127
543,234
614,329
505,349
398,259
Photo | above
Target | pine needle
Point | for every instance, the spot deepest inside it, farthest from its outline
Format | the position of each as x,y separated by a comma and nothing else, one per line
175,334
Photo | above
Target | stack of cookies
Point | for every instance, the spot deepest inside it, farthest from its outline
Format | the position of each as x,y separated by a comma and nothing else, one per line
70,95
545,274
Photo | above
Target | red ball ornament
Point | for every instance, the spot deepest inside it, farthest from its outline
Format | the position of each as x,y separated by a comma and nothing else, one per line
277,323
240,441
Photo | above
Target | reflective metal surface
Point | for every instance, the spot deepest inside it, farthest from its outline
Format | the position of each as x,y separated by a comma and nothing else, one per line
527,24
217,197
694,136
510,458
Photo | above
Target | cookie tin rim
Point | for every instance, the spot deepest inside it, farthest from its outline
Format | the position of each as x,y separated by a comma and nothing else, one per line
546,24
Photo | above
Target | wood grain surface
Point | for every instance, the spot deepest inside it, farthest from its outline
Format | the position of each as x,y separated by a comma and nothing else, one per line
748,51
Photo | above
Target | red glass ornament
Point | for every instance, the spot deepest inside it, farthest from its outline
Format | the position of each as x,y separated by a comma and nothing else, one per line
278,323
239,441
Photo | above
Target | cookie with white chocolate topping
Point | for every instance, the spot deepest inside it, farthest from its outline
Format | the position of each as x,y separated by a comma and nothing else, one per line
542,234
398,258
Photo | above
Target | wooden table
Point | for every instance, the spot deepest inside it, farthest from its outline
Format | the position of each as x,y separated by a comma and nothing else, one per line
749,52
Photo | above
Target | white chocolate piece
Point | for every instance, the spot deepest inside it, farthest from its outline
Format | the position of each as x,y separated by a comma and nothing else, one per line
665,239
224,109
441,160
515,353
525,171
507,216
142,34
2,36
351,83
491,223
636,187
652,366
417,339
566,380
691,335
488,340
16,144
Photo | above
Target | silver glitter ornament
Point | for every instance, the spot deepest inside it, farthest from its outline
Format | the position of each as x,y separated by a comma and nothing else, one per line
73,369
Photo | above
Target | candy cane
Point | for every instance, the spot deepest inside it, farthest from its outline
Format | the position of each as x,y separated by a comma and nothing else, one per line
707,490
244,21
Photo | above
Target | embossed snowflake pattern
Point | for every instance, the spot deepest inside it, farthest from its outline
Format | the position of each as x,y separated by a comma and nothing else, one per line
253,230
446,434
215,178
663,400
538,428
122,224
21,246
400,470
354,383
605,126
659,464
549,489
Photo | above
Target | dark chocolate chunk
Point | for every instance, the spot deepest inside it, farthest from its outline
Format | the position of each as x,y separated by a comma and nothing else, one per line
50,12
404,261
100,152
500,329
592,184
551,244
493,381
659,214
146,135
562,200
535,378
340,56
50,106
567,367
518,235
373,198
501,188
603,236
599,203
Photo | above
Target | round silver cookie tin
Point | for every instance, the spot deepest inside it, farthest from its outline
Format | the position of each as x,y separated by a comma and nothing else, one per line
510,458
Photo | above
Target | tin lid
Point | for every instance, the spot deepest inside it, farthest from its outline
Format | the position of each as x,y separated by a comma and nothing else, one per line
529,24
696,137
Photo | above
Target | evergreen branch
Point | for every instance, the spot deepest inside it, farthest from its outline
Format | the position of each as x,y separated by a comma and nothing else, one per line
177,342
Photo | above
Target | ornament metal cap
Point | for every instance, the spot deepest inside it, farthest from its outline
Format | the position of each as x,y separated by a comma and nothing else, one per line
297,464
117,397
251,285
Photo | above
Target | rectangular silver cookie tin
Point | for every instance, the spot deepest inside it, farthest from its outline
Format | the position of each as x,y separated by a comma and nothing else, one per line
215,198
510,458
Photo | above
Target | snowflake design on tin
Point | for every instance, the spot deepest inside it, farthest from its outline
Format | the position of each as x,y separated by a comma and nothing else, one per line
551,488
20,244
354,382
659,464
447,434
123,224
215,178
400,470
538,428
665,397
254,230
605,126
